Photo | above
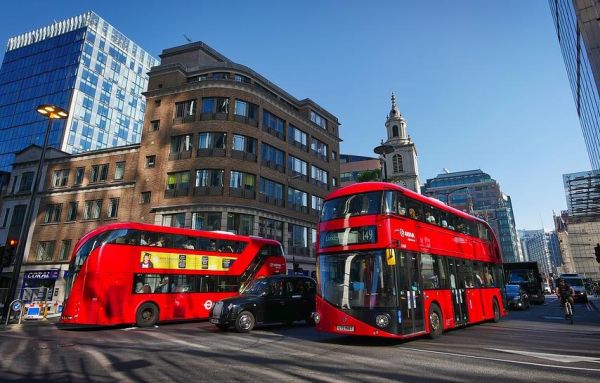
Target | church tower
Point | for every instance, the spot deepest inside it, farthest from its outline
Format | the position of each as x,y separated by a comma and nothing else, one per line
401,163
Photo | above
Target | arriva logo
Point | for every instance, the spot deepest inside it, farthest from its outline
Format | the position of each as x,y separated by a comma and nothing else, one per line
407,234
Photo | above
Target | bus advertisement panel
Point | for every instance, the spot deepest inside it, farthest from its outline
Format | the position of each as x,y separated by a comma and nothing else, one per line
132,273
393,263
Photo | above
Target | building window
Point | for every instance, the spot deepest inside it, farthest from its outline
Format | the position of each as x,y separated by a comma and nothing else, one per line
206,220
72,212
397,163
154,125
6,214
178,181
45,251
185,109
274,124
273,157
297,239
26,181
53,213
297,166
318,119
174,220
215,105
316,203
79,173
319,175
113,208
209,178
145,197
60,178
212,140
298,137
244,144
65,247
241,224
395,131
319,148
242,180
271,189
270,228
18,216
157,102
99,173
181,147
334,182
119,170
150,161
333,155
92,209
297,197
246,109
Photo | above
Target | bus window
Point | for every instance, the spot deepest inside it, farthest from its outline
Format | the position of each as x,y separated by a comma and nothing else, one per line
465,273
478,276
394,203
352,205
430,215
428,275
489,275
439,268
415,209
472,226
461,225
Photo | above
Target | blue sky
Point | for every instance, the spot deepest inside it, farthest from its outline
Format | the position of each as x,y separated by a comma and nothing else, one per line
481,84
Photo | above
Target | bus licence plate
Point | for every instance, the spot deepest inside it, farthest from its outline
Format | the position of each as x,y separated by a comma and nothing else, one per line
344,328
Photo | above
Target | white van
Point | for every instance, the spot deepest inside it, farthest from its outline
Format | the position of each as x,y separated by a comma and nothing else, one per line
576,282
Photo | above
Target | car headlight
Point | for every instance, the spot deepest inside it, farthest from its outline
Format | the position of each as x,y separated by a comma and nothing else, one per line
316,317
516,299
382,320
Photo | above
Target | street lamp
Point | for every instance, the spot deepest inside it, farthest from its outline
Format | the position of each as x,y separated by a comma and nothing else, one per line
447,194
383,150
51,112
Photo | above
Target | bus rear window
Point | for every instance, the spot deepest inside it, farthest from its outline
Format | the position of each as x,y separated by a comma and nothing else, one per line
352,205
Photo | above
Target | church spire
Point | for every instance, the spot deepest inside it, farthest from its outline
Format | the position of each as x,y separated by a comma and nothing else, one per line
394,112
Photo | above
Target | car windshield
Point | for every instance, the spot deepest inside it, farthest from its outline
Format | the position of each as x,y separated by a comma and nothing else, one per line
256,287
512,289
574,282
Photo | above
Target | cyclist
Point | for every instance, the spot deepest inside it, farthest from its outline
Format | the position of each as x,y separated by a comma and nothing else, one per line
564,292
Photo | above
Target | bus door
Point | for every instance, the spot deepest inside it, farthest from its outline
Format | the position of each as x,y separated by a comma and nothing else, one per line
411,294
459,296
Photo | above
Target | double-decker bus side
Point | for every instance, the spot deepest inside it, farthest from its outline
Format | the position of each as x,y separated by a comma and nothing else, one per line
132,273
393,263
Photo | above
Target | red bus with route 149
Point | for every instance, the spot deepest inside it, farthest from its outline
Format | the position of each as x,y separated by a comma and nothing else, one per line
133,273
393,263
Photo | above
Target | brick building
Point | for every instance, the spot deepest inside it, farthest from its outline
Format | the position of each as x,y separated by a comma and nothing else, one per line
222,148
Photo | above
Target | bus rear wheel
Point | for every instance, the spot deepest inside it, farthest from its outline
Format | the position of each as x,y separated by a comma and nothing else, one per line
496,310
436,327
147,315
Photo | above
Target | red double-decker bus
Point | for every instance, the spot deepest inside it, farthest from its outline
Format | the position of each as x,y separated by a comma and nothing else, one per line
132,273
393,263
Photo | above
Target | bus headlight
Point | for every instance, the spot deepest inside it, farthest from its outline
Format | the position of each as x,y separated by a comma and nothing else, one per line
382,320
316,317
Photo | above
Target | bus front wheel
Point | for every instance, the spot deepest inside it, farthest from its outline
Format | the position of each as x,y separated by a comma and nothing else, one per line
147,315
436,327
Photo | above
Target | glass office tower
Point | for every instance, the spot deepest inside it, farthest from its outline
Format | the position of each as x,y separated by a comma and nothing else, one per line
84,65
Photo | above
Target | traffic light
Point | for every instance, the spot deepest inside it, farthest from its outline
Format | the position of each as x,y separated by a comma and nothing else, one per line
597,251
9,252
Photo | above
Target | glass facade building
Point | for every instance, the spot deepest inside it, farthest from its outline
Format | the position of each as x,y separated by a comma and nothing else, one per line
84,65
578,34
478,194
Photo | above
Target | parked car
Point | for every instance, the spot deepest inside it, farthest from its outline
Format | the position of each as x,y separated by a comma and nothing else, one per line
274,299
517,297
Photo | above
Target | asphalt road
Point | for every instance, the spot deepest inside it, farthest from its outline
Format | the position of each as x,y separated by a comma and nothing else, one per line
536,345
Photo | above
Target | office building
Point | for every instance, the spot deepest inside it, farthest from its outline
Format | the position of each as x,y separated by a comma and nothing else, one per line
477,193
578,31
223,148
536,247
355,168
85,66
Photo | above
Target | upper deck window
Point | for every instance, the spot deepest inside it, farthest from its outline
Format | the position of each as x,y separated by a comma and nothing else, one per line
352,205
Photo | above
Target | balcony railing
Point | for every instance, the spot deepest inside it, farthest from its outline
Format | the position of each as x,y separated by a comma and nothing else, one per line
271,200
184,119
208,191
273,165
320,156
212,152
274,132
204,116
170,193
297,207
241,155
297,250
319,183
242,193
180,155
246,120
300,146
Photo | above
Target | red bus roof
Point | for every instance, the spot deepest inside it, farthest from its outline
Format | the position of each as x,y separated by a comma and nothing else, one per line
365,187
169,230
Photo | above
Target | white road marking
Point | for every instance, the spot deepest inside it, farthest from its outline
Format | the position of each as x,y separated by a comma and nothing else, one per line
168,338
552,357
502,360
106,364
129,328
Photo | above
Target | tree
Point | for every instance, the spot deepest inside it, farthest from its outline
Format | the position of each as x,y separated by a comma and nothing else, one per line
369,175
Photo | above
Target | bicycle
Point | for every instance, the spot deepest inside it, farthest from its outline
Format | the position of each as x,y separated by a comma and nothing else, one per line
568,308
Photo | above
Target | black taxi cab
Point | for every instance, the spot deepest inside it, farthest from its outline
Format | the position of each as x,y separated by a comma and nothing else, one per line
273,299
